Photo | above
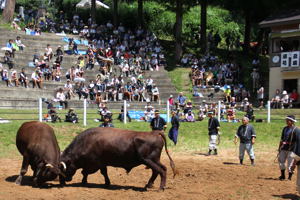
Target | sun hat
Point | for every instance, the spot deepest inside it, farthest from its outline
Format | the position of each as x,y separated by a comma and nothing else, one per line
291,118
156,112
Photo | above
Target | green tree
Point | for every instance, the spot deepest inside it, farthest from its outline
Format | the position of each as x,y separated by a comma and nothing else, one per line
203,20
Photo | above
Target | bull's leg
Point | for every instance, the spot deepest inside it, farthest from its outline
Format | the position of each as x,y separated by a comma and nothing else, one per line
85,176
23,171
152,179
104,173
155,167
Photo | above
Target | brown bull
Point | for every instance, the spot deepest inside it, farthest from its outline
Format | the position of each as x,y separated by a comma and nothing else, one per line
38,145
97,148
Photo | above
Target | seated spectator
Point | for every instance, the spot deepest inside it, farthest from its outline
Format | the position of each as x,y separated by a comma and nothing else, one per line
8,60
49,52
105,113
244,104
53,114
276,100
106,123
68,88
285,99
181,100
189,116
19,43
5,77
36,79
188,107
155,94
250,112
294,96
149,113
23,78
230,112
121,115
61,98
14,78
59,54
71,116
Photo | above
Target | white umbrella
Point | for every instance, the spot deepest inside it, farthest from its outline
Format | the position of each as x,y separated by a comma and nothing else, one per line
88,4
6,49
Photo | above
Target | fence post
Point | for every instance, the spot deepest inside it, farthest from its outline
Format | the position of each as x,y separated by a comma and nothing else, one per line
40,110
125,112
84,112
219,110
168,111
269,112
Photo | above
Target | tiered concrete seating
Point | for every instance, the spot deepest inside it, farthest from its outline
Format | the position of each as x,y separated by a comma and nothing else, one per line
20,97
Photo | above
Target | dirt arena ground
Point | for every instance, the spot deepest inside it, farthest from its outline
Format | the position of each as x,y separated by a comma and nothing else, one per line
201,178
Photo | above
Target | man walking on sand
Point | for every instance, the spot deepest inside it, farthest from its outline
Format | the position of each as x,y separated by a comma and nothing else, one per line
247,136
213,132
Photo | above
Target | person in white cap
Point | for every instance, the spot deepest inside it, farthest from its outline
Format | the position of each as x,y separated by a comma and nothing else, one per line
286,145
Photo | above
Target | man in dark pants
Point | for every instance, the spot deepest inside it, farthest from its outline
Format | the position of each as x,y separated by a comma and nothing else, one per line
173,133
247,137
158,123
213,132
296,153
286,145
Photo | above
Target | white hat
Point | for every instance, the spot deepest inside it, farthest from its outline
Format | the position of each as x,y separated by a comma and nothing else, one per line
246,99
284,92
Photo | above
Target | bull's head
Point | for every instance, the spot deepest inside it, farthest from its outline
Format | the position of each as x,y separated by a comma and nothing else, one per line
68,170
46,172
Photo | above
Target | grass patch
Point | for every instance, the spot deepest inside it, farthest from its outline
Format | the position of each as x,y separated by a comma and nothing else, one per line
192,136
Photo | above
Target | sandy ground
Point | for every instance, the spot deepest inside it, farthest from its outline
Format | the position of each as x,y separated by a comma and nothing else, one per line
201,177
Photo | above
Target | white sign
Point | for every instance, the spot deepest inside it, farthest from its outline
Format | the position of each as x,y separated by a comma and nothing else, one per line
290,59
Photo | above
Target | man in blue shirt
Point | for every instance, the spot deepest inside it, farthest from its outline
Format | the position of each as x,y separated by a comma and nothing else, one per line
247,136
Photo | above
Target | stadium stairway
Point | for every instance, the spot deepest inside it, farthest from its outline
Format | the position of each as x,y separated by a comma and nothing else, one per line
20,97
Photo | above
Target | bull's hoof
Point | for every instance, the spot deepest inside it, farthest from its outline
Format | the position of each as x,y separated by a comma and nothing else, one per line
83,182
107,184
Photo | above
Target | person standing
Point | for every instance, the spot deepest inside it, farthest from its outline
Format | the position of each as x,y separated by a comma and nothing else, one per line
286,145
158,123
247,136
173,132
296,155
260,97
213,132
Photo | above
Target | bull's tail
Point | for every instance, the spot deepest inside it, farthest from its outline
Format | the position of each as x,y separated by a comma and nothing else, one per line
172,164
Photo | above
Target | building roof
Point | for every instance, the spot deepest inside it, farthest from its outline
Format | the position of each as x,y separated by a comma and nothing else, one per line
283,18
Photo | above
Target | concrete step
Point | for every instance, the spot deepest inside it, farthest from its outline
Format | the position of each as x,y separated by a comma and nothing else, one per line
26,103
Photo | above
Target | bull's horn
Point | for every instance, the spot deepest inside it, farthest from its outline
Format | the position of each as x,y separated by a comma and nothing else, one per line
49,165
64,165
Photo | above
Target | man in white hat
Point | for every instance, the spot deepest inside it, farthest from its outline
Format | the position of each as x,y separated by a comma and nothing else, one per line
286,145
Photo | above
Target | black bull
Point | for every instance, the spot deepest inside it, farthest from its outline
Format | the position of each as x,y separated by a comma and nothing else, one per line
37,143
97,148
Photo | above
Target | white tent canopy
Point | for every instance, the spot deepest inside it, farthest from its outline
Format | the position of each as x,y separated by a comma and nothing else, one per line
88,4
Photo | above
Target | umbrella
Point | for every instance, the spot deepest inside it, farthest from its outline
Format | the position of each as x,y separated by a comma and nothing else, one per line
6,49
88,4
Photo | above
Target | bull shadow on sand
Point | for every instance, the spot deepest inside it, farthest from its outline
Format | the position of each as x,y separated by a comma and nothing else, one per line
27,181
200,154
269,179
111,187
288,196
230,163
